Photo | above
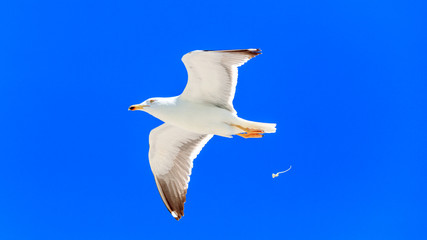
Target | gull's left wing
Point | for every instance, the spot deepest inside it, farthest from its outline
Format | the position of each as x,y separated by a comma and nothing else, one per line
212,75
172,151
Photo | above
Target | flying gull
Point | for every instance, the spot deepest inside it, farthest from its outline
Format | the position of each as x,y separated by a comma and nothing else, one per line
204,109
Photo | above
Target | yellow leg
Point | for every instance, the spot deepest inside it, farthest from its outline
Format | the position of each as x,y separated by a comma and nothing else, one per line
250,135
248,132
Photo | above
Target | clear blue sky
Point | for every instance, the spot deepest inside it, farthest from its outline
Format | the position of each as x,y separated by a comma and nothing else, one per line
344,80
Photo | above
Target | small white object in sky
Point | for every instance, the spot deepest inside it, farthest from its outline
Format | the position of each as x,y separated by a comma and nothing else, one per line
277,174
204,109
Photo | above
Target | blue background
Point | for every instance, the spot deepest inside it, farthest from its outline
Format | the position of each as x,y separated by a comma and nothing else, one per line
344,80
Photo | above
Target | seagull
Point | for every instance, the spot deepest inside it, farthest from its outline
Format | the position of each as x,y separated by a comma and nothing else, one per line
205,108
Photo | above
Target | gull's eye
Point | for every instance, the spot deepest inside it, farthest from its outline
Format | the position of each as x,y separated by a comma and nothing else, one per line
152,100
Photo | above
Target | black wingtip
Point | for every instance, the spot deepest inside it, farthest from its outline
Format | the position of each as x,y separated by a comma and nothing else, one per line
236,50
252,52
255,51
176,215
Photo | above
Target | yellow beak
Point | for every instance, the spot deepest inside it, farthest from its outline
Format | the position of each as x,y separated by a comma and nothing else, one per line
137,107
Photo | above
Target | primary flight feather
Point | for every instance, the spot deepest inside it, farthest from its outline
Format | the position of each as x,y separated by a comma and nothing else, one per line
205,108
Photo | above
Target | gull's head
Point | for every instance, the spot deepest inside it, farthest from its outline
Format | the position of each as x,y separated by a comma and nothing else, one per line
149,103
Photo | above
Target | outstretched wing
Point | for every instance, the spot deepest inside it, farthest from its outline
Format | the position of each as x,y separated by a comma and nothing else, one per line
172,151
212,75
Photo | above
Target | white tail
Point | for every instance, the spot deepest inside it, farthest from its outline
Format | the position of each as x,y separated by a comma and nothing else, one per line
266,127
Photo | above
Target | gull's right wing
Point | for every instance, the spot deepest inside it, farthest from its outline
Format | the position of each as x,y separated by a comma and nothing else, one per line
172,151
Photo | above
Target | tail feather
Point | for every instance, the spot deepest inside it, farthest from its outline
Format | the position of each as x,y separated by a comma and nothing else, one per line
266,127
